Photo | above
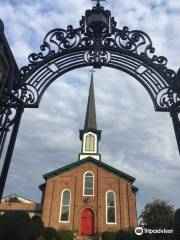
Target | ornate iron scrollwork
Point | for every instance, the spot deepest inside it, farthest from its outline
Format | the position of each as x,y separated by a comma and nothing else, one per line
167,98
98,50
8,111
7,117
97,57
27,94
57,41
135,42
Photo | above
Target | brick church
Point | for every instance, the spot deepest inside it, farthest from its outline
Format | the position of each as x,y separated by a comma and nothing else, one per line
87,196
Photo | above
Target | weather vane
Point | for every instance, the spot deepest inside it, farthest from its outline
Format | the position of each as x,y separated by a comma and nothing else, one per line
98,2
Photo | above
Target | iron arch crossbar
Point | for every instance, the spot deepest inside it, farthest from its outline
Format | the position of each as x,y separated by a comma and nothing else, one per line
155,82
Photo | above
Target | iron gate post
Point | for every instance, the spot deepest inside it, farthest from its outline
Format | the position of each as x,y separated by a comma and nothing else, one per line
2,140
176,123
10,149
4,127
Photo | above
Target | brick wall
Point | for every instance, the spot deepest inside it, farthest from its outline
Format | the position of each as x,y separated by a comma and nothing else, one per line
104,181
31,208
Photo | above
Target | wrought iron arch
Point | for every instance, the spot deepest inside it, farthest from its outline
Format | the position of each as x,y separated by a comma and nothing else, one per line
97,42
148,75
129,51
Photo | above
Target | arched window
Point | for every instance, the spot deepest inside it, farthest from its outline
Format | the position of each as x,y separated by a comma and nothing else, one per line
65,206
110,207
90,143
88,184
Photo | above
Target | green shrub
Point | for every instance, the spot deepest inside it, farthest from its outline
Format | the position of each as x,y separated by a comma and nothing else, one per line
108,235
126,235
65,235
49,233
40,238
35,229
14,225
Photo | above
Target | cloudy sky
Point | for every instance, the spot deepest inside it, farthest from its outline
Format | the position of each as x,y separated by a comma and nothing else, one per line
135,139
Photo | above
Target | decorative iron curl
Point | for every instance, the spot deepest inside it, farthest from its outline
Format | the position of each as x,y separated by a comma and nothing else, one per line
167,98
58,40
139,43
97,56
26,94
8,111
133,41
7,117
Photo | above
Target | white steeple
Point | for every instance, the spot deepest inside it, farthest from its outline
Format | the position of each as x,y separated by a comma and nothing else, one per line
90,136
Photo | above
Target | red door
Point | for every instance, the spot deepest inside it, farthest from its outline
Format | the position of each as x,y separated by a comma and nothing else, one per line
87,222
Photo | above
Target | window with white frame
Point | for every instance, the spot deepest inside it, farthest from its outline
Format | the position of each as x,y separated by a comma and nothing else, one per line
88,184
90,143
110,207
65,206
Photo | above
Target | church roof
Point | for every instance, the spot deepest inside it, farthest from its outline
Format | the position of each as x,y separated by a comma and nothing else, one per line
90,120
89,159
23,199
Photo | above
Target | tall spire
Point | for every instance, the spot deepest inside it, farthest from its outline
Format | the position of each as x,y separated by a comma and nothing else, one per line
90,136
90,120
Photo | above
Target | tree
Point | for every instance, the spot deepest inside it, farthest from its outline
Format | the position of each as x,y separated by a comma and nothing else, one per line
158,214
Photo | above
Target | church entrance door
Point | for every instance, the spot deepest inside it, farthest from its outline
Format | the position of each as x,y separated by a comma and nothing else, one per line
87,222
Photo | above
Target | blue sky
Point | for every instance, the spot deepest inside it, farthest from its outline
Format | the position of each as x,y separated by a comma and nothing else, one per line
135,139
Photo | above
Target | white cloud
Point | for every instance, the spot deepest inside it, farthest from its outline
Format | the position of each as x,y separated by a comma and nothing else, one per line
21,49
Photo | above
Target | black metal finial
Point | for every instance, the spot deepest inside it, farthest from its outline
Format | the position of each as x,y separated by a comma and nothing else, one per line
97,2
